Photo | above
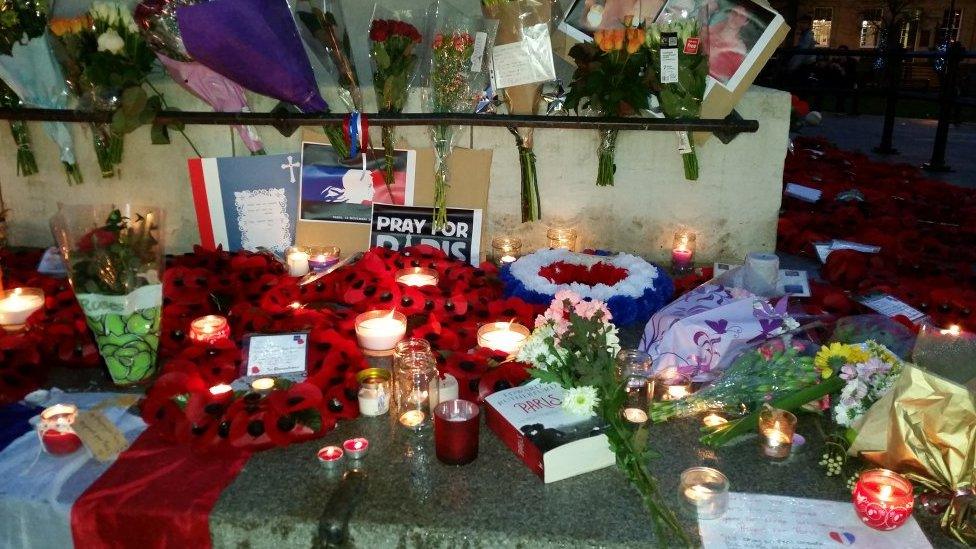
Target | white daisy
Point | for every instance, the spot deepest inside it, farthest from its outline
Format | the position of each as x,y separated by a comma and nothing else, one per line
581,400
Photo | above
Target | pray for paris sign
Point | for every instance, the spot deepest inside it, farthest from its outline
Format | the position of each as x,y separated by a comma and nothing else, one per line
397,227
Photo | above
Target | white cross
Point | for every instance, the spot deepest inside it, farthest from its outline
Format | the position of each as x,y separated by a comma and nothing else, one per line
290,166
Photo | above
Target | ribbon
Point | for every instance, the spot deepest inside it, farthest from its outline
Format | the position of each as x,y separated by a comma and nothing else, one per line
356,130
957,507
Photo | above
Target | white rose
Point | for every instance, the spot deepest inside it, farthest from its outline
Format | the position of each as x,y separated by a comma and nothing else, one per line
110,41
106,12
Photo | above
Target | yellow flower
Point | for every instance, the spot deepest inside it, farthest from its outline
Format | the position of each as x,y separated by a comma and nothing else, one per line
833,357
62,26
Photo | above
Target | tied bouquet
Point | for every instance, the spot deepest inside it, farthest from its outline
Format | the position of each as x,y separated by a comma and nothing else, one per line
26,162
394,51
574,344
610,79
28,68
115,260
680,62
106,62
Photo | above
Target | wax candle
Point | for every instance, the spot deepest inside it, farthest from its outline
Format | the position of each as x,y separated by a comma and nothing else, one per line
456,425
883,499
562,237
447,389
505,249
683,252
321,258
355,448
953,330
704,492
263,385
714,420
296,259
505,337
221,393
776,428
330,456
55,429
416,276
380,330
209,329
412,419
17,305
374,392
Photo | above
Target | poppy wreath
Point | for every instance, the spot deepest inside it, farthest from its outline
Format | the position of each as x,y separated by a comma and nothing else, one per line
632,288
925,229
256,295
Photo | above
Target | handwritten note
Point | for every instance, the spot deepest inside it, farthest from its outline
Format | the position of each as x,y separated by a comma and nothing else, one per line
99,435
525,62
757,521
891,306
272,355
262,218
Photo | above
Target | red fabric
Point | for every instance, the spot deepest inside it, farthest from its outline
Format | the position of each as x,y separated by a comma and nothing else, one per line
156,494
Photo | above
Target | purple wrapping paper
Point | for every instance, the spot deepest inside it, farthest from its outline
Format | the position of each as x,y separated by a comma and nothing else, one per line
254,43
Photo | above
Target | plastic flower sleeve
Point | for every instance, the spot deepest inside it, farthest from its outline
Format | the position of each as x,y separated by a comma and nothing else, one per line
396,47
522,61
456,72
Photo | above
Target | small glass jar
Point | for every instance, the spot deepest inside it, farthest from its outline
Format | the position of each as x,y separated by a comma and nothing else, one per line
776,428
704,492
413,391
634,366
374,391
55,429
683,252
505,250
671,386
411,346
562,237
296,260
320,258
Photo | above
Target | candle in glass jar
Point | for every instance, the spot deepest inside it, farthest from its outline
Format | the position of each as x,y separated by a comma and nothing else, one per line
504,337
17,305
883,499
456,425
355,448
562,237
412,419
380,330
505,249
704,492
416,276
296,259
683,252
55,429
776,428
374,392
321,258
209,328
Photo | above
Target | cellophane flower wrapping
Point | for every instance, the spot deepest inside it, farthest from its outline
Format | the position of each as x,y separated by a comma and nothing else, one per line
396,48
115,261
26,162
157,23
29,69
323,26
254,43
457,71
758,373
678,45
106,61
524,45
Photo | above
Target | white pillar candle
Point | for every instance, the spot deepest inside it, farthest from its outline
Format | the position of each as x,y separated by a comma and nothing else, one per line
447,389
17,305
380,330
297,261
505,337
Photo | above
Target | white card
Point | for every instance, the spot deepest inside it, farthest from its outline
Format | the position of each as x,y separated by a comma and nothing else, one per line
480,41
275,354
758,521
824,248
802,192
525,62
891,306
669,65
792,282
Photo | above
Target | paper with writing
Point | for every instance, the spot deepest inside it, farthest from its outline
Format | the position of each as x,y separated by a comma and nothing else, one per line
262,219
528,61
891,306
99,435
272,355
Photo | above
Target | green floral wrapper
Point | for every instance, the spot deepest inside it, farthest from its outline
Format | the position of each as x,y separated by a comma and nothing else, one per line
126,329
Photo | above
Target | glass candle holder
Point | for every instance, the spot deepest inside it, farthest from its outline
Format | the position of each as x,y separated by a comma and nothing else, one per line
562,237
671,386
456,425
941,351
505,250
374,391
380,330
410,346
414,384
55,429
504,337
296,260
634,367
883,499
417,277
704,492
321,258
776,428
683,252
263,385
209,329
17,305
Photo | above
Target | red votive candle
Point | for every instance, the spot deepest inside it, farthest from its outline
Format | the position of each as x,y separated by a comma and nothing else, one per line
456,424
883,499
57,435
209,329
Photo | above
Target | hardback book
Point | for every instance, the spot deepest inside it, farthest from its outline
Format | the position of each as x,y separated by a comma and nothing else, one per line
554,443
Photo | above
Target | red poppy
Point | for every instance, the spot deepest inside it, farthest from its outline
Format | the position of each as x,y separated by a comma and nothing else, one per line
505,376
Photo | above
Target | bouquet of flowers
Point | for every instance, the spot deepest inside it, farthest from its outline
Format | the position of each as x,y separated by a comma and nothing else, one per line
157,23
323,20
458,71
28,68
526,25
394,50
610,79
575,344
680,76
106,62
26,163
115,262
865,381
775,368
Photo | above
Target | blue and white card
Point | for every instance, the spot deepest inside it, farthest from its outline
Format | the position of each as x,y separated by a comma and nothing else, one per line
275,354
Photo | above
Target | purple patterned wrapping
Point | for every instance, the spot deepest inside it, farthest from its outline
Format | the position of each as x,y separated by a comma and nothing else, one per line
254,43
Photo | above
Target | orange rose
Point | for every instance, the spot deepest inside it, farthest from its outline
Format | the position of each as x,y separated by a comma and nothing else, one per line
602,40
618,39
635,39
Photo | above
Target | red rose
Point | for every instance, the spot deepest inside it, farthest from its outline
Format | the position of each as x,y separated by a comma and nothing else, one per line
379,30
97,238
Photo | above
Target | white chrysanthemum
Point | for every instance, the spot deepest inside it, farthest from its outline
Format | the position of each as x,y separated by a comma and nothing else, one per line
581,400
110,41
536,350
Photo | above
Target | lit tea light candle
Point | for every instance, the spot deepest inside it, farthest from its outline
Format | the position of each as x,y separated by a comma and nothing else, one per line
221,393
505,337
374,392
705,492
776,428
562,237
714,420
678,392
356,448
296,259
330,456
635,415
506,249
416,276
380,330
883,499
320,259
683,252
55,429
412,419
263,385
17,305
953,330
208,329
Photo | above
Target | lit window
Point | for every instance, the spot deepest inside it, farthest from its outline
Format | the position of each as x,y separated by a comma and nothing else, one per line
869,28
822,18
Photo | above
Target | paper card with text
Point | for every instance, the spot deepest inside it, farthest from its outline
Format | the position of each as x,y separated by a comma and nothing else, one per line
890,306
100,435
397,227
275,354
759,521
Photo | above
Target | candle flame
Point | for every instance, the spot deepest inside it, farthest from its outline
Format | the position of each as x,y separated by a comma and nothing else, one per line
885,492
954,330
295,305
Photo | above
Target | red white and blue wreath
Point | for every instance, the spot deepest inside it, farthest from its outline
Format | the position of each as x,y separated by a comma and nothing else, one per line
631,287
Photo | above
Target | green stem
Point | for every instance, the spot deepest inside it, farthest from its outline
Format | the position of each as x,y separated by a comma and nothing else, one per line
531,202
442,138
162,100
389,157
73,174
690,161
338,140
608,148
26,162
